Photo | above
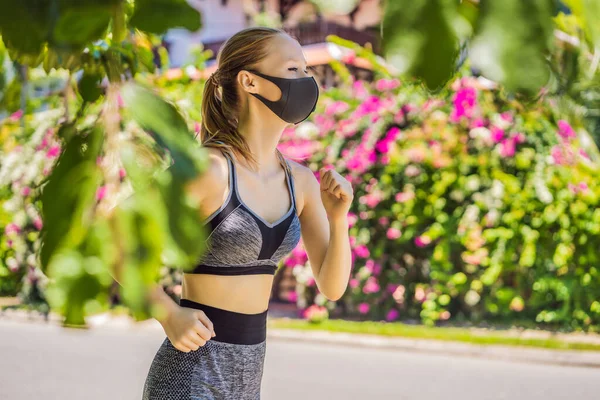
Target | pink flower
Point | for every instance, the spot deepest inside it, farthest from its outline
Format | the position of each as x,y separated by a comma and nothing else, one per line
392,315
120,102
393,233
53,152
25,191
384,221
386,84
12,228
565,130
391,287
403,197
359,90
371,286
519,138
445,315
422,241
362,251
352,218
507,148
337,107
363,308
100,193
497,134
197,127
411,171
507,116
353,283
371,200
416,154
583,186
122,173
310,282
572,188
477,123
292,296
16,116
464,102
37,222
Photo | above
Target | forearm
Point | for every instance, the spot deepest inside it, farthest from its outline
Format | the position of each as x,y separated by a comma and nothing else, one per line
334,272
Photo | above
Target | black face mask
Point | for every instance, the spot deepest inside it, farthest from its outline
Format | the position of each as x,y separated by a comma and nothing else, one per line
298,97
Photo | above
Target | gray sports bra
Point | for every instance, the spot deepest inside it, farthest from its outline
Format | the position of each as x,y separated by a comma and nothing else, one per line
242,243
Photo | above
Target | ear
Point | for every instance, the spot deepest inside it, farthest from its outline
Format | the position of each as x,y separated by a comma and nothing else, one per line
247,81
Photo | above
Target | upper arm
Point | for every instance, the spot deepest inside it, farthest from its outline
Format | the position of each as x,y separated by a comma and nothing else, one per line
313,218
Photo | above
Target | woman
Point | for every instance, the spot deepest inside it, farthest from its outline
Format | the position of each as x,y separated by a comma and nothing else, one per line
258,206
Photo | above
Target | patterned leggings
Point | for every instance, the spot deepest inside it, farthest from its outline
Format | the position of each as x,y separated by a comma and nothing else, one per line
227,367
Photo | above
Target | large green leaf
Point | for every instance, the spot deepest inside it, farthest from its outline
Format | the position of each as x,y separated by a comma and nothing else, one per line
512,42
69,194
420,37
141,241
157,16
80,26
169,128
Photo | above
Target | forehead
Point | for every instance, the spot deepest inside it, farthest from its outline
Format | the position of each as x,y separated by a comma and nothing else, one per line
283,48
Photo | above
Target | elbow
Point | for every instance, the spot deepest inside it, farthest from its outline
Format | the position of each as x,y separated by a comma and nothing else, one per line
334,294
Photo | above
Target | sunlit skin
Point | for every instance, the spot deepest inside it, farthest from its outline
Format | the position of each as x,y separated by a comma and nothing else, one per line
322,207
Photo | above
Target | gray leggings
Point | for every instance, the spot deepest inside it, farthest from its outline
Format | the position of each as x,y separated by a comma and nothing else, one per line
227,367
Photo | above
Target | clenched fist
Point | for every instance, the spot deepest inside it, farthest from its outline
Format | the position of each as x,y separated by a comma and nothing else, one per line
188,329
336,194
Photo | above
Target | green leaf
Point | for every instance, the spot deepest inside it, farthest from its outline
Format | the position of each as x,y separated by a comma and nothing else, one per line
79,26
69,194
157,16
89,87
420,37
512,41
168,127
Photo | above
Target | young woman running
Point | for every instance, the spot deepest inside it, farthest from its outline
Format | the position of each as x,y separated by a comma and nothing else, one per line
257,206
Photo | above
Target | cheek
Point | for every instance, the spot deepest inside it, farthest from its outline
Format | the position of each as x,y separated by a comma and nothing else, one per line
269,90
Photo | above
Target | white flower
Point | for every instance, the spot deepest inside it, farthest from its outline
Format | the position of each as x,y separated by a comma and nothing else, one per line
480,133
497,189
320,299
31,260
472,298
20,218
306,130
473,183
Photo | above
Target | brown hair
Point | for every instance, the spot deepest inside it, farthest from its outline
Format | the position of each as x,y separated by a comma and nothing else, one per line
220,99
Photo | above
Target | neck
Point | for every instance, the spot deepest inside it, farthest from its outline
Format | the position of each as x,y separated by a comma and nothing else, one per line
262,136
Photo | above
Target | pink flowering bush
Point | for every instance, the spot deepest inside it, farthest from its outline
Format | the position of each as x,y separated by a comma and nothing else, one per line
24,164
469,205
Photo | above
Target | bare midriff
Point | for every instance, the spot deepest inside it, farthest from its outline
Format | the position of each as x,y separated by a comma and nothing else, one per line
247,294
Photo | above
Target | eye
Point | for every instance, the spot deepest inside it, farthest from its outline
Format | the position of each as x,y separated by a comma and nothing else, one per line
292,69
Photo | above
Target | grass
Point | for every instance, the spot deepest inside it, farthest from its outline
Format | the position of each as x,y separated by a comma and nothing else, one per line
464,335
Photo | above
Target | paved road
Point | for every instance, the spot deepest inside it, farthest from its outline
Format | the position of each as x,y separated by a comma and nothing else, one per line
48,362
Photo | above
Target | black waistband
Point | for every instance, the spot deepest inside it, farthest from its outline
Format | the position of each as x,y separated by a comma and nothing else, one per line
233,327
246,270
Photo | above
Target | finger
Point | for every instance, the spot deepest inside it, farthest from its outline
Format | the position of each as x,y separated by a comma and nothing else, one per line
332,186
196,338
203,331
182,348
187,342
326,181
206,324
338,191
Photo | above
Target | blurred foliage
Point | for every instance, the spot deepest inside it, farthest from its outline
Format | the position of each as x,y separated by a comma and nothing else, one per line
90,151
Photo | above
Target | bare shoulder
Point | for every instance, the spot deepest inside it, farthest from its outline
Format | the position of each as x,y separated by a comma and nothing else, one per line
214,179
305,182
